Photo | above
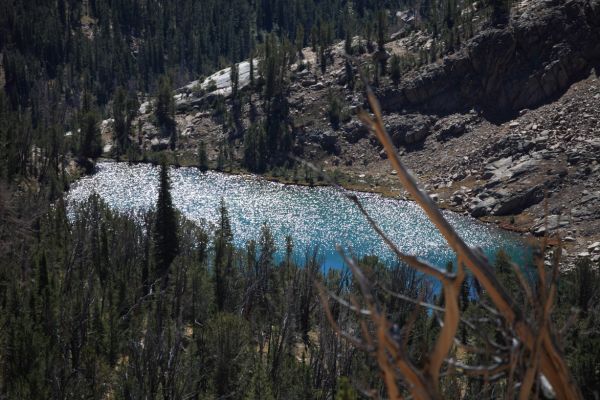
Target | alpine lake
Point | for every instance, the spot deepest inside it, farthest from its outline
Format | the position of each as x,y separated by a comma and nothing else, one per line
315,217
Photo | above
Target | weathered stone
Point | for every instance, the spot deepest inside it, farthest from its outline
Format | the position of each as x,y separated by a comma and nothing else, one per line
149,130
551,223
159,144
483,207
491,72
520,201
594,247
452,126
308,82
354,131
457,199
408,128
328,140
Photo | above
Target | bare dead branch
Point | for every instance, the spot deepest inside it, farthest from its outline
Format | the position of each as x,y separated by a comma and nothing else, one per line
352,339
552,363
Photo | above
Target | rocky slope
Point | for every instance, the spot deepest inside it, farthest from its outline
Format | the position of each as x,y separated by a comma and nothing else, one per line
548,45
538,173
527,165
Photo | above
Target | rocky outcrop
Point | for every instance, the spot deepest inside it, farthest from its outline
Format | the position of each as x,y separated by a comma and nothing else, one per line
503,202
328,140
196,93
454,125
535,58
354,131
408,128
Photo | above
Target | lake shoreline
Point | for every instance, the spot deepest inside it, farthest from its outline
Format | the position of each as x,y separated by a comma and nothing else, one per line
383,190
323,217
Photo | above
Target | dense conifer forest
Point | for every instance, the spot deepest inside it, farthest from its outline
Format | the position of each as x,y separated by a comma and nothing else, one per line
105,305
100,304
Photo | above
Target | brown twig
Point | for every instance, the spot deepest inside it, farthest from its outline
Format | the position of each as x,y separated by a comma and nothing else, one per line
552,363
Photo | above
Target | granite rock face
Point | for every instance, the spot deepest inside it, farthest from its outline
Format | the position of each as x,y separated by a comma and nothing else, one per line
501,71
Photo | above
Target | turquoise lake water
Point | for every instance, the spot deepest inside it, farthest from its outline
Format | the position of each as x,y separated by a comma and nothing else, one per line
319,216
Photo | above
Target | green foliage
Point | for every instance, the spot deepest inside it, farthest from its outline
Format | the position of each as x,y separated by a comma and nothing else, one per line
125,106
202,157
164,110
323,60
395,69
166,242
504,270
255,148
579,303
260,386
346,391
211,86
121,133
90,143
228,337
587,285
78,314
221,157
299,38
500,11
235,80
334,110
348,44
79,319
350,74
274,66
382,27
225,274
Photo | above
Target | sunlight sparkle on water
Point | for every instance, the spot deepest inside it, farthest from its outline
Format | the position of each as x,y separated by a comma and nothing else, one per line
312,216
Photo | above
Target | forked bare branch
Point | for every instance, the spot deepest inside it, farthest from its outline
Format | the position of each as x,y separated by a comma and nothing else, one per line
552,364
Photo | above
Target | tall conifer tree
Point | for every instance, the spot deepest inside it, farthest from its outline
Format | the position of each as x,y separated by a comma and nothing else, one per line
166,242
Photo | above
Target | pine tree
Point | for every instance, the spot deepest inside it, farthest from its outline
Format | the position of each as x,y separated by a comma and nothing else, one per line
322,60
166,242
299,40
314,38
500,12
121,133
91,141
202,157
334,111
165,110
350,76
221,157
266,259
348,43
250,149
223,245
395,70
235,80
252,84
381,36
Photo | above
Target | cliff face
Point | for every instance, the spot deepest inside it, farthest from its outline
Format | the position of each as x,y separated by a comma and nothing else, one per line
444,119
547,47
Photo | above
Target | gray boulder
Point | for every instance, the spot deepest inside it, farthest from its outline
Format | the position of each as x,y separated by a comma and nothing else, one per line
354,131
481,208
408,128
453,126
519,201
328,140
159,144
